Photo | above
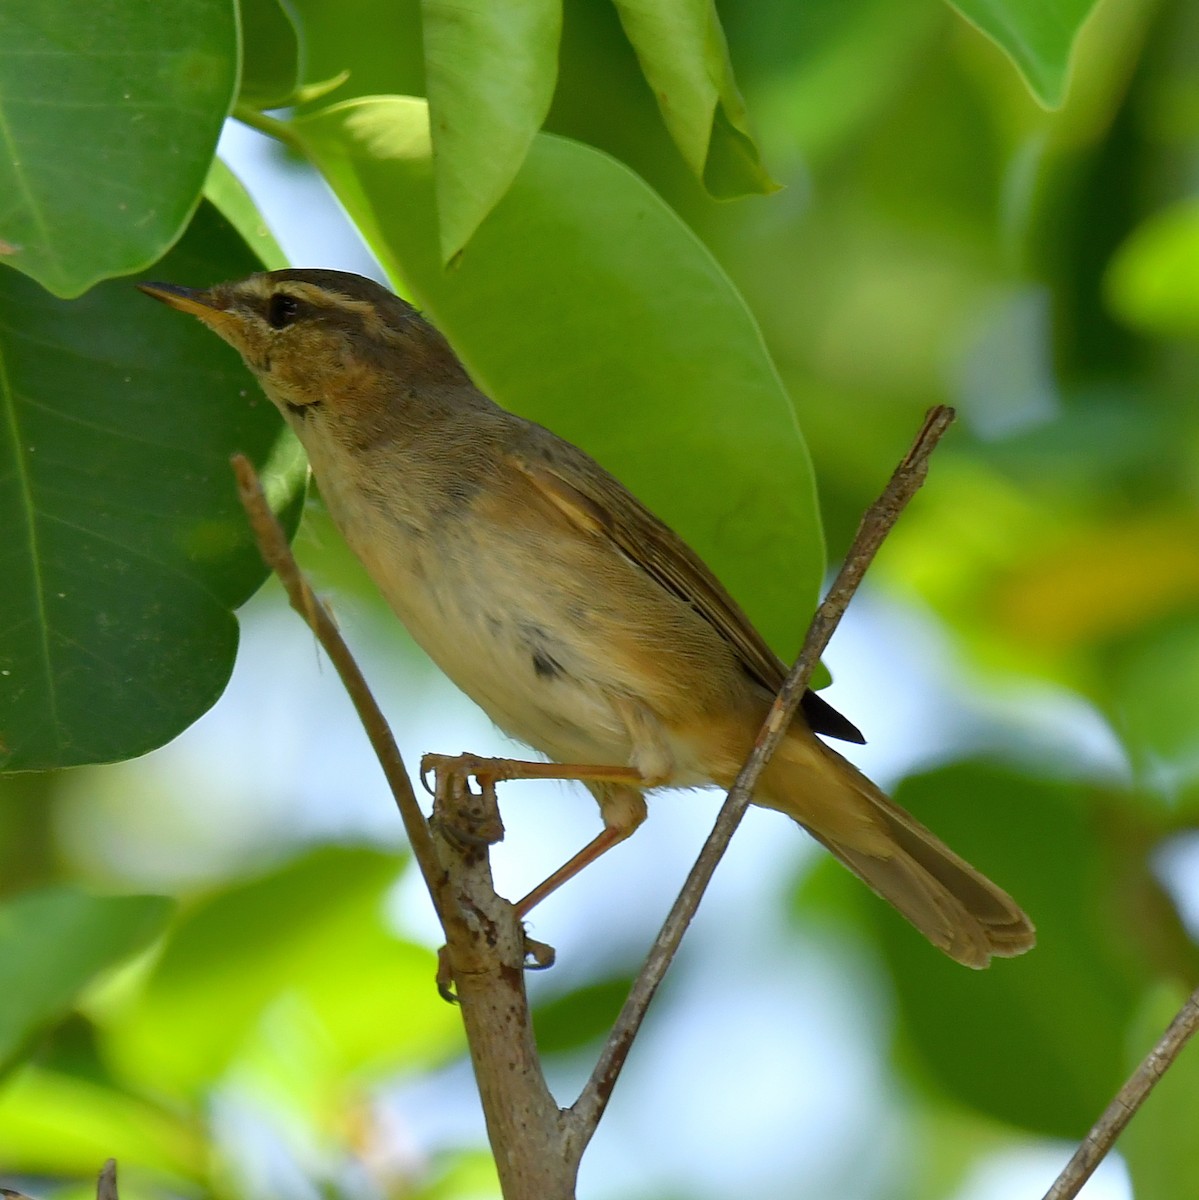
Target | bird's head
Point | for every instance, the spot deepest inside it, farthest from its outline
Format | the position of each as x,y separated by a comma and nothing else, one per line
323,344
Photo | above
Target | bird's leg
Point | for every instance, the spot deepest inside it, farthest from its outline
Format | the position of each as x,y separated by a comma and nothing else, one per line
616,788
569,869
623,810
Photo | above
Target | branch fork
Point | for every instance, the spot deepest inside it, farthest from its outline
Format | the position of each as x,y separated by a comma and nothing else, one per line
537,1144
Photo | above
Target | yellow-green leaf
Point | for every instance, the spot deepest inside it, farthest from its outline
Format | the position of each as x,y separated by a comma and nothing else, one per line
491,70
110,116
685,60
1037,35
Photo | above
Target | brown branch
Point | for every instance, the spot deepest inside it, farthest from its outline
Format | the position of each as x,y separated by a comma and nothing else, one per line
486,949
1128,1099
525,1126
276,553
106,1185
875,526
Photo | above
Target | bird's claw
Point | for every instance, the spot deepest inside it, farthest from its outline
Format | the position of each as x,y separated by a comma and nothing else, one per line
539,956
465,766
445,977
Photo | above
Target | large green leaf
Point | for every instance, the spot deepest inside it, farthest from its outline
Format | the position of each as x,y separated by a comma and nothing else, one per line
682,51
1037,35
53,942
313,931
125,548
584,303
109,116
490,72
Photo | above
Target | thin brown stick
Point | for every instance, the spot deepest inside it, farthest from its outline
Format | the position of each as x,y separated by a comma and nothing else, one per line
276,553
486,948
1128,1099
486,964
876,524
106,1185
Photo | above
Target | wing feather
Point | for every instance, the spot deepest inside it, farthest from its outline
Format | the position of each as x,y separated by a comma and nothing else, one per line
598,503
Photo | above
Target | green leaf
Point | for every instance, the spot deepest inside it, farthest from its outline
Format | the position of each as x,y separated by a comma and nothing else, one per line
125,547
583,1015
1037,35
59,1125
587,305
685,59
982,1035
271,67
110,116
1154,681
233,202
1159,1145
313,931
53,943
491,70
1151,283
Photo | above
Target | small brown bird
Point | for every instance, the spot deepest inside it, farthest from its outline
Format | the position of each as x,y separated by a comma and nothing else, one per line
552,597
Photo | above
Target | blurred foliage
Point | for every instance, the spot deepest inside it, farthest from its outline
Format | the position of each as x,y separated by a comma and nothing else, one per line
940,236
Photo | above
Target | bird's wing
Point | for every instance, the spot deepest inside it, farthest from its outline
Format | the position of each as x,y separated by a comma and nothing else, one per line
595,501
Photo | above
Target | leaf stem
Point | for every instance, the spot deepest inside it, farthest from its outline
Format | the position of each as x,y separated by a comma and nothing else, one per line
281,131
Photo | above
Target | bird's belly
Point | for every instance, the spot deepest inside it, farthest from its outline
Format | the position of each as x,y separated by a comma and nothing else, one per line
535,680
520,682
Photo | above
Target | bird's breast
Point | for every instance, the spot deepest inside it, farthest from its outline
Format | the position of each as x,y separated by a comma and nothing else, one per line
479,611
556,638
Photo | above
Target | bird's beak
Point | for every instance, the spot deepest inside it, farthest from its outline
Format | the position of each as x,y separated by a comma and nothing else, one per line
196,301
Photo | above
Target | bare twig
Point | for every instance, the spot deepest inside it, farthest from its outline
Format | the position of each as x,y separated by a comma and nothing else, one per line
272,543
875,526
106,1185
1128,1099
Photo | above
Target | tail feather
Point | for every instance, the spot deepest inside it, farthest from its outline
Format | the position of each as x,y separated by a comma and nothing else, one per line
957,908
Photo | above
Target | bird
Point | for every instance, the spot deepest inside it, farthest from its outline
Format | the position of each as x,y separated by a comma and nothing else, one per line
576,619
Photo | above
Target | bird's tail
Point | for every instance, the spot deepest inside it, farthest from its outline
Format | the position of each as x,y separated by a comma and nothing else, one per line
959,910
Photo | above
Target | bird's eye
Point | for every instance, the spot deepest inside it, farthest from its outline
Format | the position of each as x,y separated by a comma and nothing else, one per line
282,309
